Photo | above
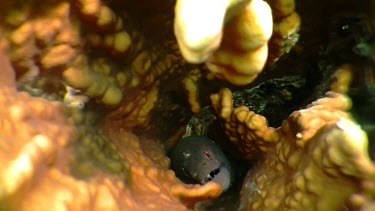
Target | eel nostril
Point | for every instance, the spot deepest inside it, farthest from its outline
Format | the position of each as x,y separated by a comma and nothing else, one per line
207,155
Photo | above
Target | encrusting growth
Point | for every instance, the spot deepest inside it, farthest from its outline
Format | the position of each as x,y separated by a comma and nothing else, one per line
315,148
213,40
231,37
38,154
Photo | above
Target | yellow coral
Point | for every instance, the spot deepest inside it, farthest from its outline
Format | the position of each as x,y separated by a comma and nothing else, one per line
100,14
243,51
135,112
250,29
239,68
342,79
315,148
58,55
286,25
94,85
318,152
36,151
247,130
234,46
281,8
191,87
199,35
50,44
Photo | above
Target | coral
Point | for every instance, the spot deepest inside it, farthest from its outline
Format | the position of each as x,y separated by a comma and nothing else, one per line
232,39
191,87
57,52
236,53
199,35
99,14
286,26
34,136
246,129
244,49
135,112
47,43
47,156
315,148
151,71
100,92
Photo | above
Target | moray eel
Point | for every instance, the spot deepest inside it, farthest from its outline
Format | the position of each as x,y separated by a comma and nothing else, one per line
197,159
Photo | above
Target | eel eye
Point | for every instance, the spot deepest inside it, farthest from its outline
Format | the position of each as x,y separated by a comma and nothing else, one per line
207,155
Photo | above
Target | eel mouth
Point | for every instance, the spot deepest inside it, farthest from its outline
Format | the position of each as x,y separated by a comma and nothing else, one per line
212,174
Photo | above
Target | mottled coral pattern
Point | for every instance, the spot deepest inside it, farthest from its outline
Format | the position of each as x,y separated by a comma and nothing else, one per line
315,148
81,81
37,155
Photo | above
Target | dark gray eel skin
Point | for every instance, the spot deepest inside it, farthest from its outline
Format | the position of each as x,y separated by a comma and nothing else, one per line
197,159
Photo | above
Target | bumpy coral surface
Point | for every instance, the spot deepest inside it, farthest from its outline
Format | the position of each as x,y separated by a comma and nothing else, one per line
39,164
47,43
94,94
315,148
231,36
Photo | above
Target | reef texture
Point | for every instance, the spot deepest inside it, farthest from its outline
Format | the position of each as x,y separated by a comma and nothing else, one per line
82,80
82,50
91,52
41,168
232,36
317,160
46,43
